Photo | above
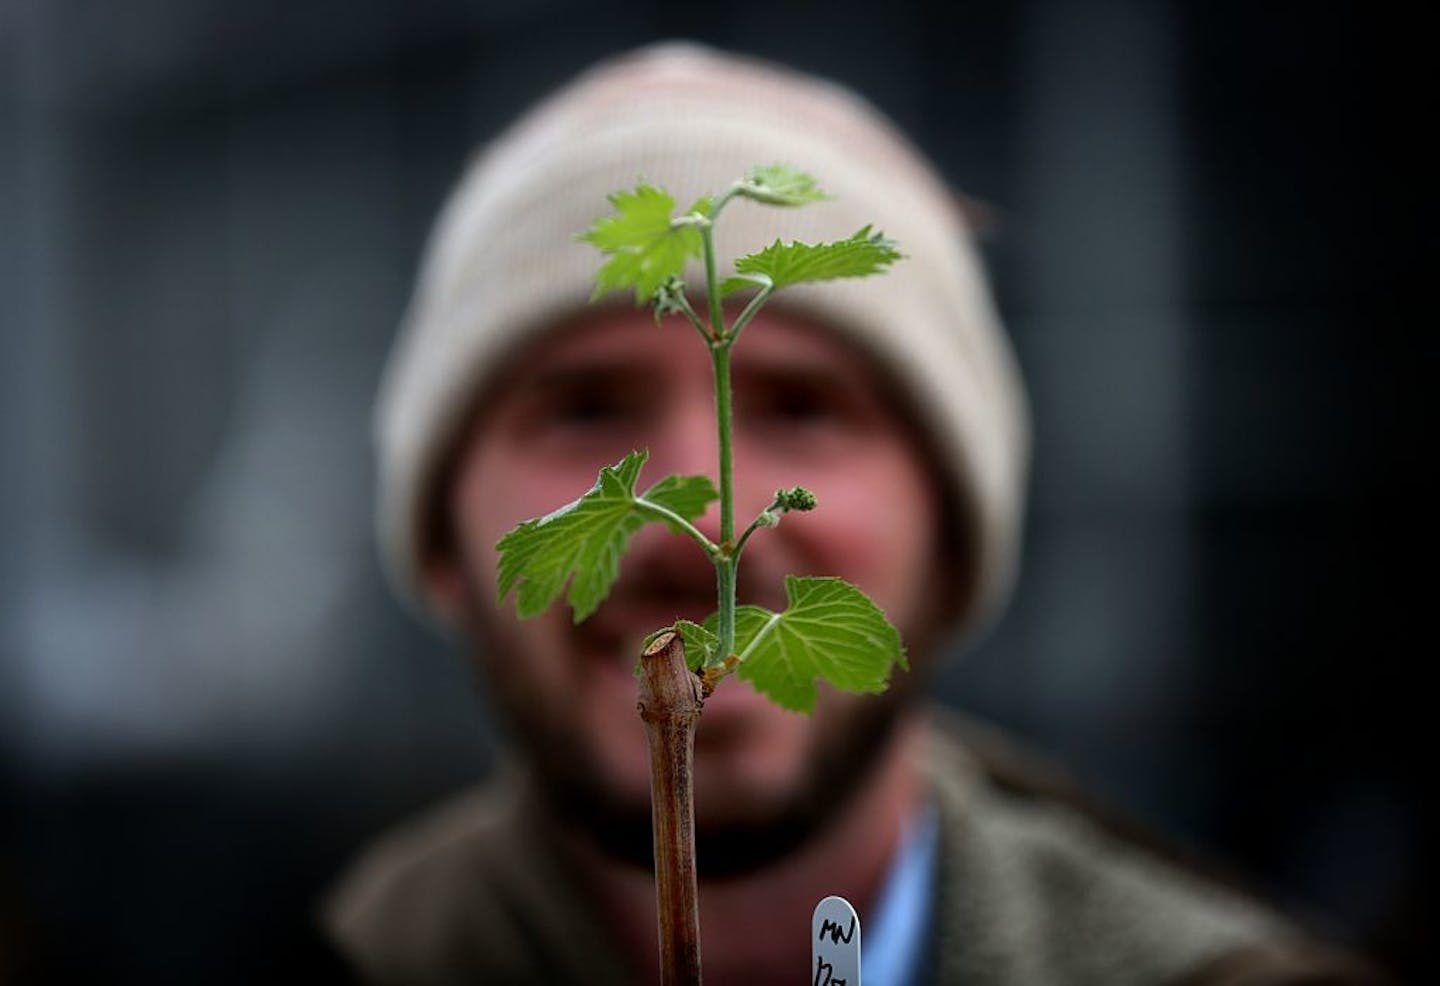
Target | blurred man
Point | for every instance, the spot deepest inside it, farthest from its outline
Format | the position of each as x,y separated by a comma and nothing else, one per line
896,400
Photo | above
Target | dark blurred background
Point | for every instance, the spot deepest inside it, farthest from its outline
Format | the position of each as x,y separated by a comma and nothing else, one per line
1207,227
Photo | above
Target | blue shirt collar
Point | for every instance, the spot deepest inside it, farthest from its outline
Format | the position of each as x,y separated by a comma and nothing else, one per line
893,941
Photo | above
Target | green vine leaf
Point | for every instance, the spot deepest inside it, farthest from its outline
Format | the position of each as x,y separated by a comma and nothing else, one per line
780,184
646,246
583,541
829,630
701,645
782,264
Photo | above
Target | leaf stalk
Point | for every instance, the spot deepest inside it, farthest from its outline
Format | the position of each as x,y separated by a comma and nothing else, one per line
678,523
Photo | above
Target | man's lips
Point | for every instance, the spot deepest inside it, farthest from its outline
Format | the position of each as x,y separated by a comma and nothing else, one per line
619,628
611,641
633,612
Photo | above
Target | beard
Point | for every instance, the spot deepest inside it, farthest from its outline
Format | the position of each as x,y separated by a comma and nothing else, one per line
741,841
733,835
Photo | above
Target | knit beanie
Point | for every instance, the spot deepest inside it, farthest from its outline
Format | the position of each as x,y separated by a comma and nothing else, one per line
503,266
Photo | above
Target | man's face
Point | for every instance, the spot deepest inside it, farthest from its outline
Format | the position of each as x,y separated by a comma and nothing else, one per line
809,410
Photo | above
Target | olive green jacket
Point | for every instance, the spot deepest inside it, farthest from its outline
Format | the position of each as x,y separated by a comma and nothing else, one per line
1036,886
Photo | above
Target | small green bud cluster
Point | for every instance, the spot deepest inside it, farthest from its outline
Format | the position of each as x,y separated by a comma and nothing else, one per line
797,498
669,298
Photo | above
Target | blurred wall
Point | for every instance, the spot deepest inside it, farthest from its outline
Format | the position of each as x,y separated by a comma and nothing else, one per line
1206,230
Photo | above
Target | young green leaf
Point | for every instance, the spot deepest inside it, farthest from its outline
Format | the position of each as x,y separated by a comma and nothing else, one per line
645,244
829,630
700,643
782,264
581,543
780,184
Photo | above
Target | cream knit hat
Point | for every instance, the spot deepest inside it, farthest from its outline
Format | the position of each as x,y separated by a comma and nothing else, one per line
503,266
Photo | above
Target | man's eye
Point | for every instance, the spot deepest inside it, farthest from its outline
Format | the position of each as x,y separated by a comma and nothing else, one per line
592,408
788,407
583,410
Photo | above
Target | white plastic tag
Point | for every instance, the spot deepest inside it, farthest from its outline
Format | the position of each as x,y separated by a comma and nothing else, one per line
835,943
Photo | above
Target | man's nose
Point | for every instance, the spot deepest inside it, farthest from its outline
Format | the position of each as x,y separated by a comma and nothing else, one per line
687,444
